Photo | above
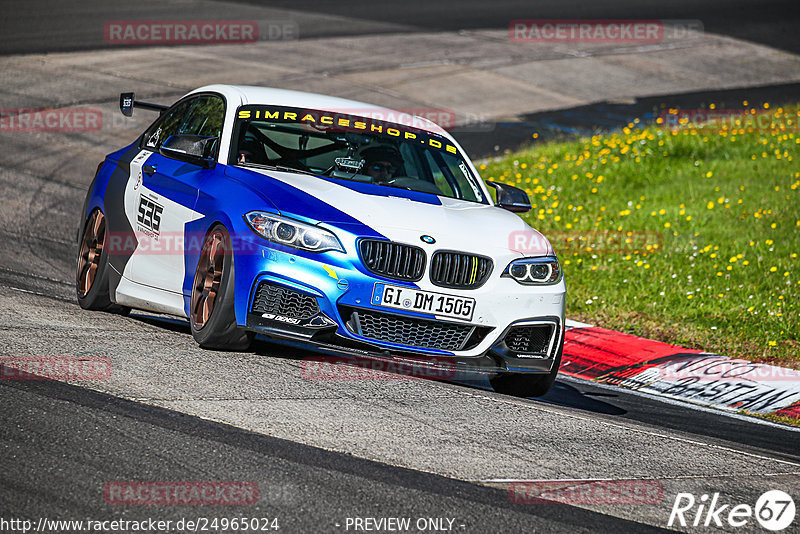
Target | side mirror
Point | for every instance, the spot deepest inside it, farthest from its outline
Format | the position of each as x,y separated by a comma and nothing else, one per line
197,149
511,198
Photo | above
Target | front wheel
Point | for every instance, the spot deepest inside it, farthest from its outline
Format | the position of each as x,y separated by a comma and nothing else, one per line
212,316
527,385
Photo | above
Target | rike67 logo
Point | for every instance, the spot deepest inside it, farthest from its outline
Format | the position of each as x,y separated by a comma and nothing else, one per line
774,510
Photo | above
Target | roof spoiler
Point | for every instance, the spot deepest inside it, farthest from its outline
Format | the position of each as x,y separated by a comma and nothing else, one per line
127,103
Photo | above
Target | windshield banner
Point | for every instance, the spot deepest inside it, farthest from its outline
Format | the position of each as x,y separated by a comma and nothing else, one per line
326,121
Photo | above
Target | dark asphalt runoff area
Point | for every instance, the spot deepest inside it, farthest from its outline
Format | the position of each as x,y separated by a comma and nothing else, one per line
61,445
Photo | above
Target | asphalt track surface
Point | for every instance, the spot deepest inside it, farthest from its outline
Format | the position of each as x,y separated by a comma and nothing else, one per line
319,451
308,489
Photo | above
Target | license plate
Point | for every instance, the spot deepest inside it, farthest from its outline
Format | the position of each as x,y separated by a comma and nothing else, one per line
439,304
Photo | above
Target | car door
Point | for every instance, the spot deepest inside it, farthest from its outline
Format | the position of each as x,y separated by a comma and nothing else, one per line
162,201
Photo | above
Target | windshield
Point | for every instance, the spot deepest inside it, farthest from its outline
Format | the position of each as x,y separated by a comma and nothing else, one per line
352,147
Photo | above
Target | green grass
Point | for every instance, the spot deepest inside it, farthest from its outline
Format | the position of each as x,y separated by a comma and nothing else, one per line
713,219
783,419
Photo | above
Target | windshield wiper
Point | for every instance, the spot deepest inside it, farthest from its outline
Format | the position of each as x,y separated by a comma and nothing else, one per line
283,168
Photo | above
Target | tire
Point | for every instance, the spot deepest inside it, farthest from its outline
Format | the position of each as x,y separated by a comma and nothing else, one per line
211,312
525,384
91,281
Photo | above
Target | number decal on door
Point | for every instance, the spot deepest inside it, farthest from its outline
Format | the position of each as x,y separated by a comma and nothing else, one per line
149,214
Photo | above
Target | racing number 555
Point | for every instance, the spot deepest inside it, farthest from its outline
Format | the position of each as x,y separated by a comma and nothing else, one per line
149,214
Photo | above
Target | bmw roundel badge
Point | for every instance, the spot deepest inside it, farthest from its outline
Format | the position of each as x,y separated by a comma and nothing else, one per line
427,239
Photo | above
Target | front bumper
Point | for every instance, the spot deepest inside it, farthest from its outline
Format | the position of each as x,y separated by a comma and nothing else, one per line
341,287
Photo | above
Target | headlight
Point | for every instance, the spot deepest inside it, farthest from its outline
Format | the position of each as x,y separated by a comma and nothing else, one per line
534,271
292,233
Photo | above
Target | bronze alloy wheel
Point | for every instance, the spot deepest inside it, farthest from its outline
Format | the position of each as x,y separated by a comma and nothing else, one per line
91,251
207,278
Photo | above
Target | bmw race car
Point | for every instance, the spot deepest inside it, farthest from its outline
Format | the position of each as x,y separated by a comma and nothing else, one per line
327,223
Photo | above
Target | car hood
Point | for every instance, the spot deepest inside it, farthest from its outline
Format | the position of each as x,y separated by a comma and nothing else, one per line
401,215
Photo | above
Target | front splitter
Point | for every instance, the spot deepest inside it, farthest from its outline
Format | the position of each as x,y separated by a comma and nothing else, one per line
421,366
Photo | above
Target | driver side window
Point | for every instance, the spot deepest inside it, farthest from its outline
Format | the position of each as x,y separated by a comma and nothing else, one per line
168,125
205,118
202,115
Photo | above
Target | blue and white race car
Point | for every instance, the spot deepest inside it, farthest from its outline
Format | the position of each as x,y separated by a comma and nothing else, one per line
334,224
